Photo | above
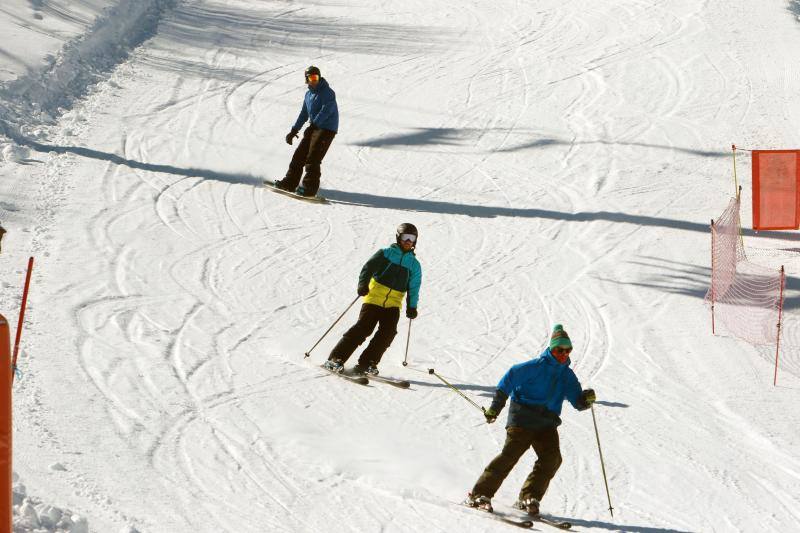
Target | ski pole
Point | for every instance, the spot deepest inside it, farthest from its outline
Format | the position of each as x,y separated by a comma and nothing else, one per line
431,371
408,338
602,463
330,328
21,318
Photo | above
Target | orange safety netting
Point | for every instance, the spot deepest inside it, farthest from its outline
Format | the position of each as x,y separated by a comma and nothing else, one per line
747,298
776,184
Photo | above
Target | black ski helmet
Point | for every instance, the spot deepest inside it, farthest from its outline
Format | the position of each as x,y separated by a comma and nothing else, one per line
406,227
312,70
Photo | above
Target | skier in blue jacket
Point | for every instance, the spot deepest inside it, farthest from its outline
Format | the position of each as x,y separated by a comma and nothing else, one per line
319,107
537,389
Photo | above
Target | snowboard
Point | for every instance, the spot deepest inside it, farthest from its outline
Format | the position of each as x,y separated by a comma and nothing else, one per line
314,199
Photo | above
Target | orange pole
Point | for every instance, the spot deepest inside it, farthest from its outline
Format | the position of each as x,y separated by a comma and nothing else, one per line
6,514
21,318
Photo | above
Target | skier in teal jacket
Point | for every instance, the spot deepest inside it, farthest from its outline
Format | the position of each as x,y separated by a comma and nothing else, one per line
537,389
389,276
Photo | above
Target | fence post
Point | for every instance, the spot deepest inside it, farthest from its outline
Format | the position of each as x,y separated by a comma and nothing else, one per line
713,272
780,316
6,516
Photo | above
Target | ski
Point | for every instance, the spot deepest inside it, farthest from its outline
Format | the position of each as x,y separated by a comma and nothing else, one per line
560,524
526,524
361,380
314,199
399,383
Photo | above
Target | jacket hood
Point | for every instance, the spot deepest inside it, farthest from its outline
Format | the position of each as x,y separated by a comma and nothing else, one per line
551,359
323,84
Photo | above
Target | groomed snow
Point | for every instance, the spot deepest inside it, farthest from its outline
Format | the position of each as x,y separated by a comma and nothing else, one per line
562,161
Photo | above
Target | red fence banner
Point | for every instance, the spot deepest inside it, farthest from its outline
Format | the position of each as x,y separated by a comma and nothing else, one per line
776,189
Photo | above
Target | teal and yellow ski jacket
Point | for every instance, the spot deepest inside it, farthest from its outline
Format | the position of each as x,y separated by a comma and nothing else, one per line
391,273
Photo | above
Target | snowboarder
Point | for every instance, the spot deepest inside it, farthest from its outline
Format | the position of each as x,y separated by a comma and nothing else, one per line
387,276
537,389
319,106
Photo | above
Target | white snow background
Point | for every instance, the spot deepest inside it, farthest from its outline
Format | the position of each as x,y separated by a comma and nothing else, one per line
562,161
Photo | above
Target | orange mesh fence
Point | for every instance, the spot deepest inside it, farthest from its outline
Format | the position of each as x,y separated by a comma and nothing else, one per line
745,297
776,178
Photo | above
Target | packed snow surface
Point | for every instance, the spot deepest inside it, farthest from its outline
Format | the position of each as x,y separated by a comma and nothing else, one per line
562,161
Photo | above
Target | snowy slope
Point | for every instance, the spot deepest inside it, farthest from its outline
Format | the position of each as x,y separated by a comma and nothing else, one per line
562,161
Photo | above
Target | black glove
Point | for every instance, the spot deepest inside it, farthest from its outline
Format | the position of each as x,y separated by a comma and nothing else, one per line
291,135
363,290
490,415
411,312
588,397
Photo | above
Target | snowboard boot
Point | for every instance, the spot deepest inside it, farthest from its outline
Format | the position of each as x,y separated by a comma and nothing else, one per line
334,365
484,503
302,191
280,185
529,505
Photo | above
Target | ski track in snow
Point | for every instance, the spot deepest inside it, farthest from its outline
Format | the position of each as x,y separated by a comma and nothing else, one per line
188,299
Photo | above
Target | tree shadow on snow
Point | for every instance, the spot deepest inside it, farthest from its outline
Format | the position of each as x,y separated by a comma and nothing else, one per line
677,278
204,173
484,211
459,136
283,29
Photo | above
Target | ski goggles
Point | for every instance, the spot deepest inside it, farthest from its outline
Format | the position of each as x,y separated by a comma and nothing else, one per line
312,77
408,237
560,350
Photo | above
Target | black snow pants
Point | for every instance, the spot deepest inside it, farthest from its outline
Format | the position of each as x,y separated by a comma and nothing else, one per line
309,154
385,317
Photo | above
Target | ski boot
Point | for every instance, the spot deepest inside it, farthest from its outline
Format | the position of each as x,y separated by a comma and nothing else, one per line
528,505
484,503
372,370
358,370
334,365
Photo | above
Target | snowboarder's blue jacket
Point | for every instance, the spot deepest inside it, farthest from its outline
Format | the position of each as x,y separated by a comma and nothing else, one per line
319,105
537,389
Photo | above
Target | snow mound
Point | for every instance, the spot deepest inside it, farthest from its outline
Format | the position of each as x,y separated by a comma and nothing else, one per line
31,515
42,95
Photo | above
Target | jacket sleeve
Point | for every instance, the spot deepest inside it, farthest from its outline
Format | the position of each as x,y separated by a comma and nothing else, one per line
414,283
302,117
499,401
372,265
506,383
327,109
572,390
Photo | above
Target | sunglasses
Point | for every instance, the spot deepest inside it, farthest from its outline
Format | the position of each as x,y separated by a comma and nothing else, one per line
312,77
408,237
561,350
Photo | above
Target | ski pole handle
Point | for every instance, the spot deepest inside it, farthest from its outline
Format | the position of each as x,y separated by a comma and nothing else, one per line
334,323
408,339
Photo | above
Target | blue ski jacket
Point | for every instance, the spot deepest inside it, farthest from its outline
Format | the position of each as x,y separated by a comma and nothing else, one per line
319,105
537,389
